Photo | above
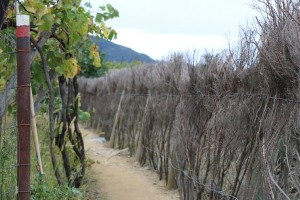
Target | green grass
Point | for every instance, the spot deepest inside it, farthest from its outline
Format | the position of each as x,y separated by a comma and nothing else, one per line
8,160
42,186
45,186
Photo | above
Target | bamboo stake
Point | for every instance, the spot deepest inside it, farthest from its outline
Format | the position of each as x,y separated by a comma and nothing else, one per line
35,134
139,149
116,120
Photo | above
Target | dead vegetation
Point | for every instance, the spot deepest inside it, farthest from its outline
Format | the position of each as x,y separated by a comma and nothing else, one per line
224,128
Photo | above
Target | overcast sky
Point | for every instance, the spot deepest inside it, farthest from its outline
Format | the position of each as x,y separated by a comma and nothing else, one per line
161,27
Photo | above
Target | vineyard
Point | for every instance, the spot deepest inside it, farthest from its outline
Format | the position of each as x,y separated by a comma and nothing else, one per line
218,126
222,127
41,50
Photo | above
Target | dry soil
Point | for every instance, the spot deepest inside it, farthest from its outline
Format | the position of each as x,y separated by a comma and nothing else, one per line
117,176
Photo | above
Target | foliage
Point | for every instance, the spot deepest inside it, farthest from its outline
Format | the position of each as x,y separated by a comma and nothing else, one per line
64,17
8,157
60,43
88,66
42,190
84,116
7,58
44,186
89,71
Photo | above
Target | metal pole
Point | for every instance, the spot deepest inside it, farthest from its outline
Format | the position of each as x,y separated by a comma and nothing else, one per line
23,108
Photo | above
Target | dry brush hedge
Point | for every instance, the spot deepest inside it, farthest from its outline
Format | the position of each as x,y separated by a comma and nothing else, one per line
226,128
199,128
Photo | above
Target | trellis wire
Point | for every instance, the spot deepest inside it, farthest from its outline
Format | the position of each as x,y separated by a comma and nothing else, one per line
194,179
287,100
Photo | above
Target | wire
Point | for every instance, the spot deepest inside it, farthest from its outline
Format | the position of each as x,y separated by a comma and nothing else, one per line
194,95
194,179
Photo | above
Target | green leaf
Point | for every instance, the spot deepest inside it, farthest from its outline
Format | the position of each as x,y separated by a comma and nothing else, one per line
112,35
68,4
60,69
103,8
84,116
113,12
99,17
59,4
88,5
46,22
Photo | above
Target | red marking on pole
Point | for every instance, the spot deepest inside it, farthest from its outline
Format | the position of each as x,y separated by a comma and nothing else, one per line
23,31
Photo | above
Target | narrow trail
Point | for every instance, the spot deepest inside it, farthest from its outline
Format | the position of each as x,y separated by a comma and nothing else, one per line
119,177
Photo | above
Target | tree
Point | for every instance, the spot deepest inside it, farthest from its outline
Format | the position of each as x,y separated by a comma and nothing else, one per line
57,44
3,8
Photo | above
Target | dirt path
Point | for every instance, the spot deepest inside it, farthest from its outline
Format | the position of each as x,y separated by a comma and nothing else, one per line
116,176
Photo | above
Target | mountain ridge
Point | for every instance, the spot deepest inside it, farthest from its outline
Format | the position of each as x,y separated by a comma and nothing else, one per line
117,53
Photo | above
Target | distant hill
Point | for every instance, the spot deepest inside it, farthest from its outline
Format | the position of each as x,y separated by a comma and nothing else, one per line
118,53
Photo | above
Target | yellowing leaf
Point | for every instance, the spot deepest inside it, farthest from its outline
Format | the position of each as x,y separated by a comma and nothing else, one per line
90,21
10,12
84,29
94,54
71,67
2,84
97,61
35,6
